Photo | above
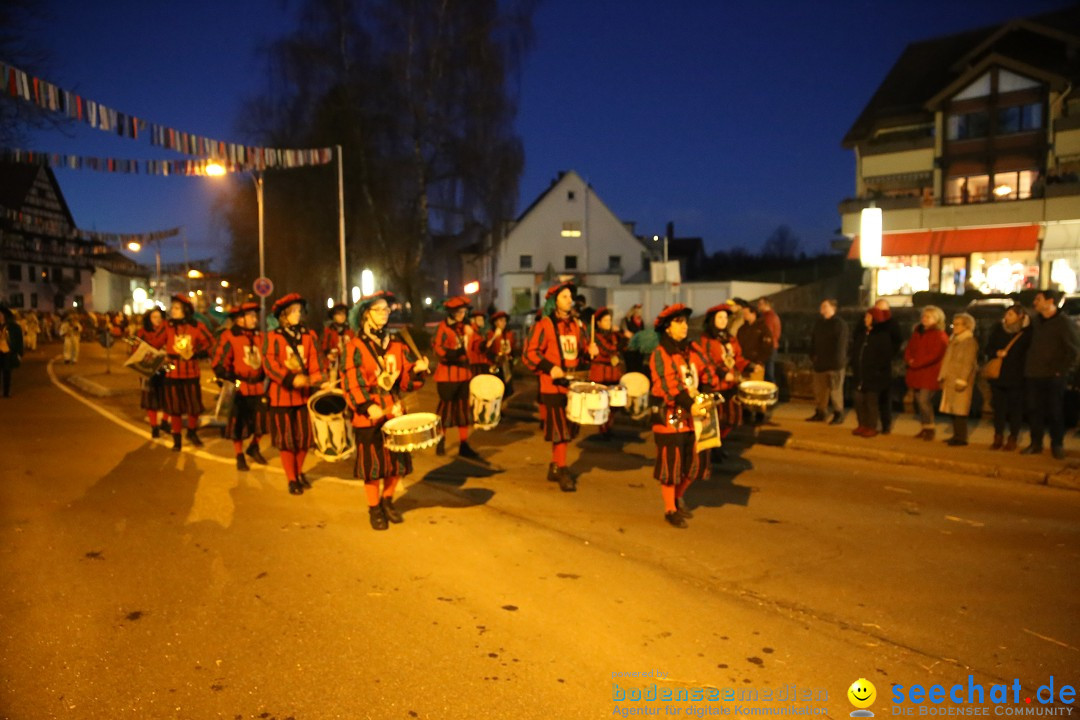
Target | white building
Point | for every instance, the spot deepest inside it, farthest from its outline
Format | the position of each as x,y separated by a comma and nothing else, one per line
568,232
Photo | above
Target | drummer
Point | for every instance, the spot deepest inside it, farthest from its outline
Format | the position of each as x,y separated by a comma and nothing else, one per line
238,360
722,350
452,339
294,364
501,347
479,364
674,387
153,387
607,367
378,370
553,350
337,333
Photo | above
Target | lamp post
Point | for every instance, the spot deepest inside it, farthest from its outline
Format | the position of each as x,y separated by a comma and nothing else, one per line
258,178
870,225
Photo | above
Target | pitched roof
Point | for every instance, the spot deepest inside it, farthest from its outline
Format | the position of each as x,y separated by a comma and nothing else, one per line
926,67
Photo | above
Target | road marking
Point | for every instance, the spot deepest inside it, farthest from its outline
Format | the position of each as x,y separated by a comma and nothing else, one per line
896,489
141,432
972,523
1050,639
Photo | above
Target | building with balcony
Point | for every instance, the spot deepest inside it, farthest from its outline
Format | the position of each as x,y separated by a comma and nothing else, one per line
971,148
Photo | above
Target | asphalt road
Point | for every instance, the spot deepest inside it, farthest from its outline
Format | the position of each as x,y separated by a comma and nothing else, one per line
137,582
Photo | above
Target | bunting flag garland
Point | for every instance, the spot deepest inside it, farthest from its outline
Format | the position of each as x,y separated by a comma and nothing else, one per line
232,156
36,223
196,166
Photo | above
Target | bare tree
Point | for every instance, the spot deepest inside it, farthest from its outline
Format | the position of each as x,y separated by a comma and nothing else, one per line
22,24
783,243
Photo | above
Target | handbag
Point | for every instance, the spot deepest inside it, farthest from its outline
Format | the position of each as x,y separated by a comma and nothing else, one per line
992,369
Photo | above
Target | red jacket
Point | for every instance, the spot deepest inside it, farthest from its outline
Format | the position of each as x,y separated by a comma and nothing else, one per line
238,357
554,342
449,345
182,341
475,350
610,344
725,356
282,365
674,386
772,321
493,348
335,338
365,361
924,353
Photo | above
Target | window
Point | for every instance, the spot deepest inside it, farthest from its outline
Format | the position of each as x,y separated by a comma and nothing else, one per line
1004,272
1014,185
614,263
570,195
904,275
571,229
969,126
15,300
961,190
570,262
44,274
31,274
33,300
57,275
1020,118
525,262
14,272
78,275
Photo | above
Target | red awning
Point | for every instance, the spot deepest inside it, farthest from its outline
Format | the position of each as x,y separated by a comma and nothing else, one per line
955,242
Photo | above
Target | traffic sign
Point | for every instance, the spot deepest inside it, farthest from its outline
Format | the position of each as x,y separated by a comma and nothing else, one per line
263,287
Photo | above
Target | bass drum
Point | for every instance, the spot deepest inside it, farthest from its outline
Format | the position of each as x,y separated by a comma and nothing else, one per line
330,426
637,394
485,401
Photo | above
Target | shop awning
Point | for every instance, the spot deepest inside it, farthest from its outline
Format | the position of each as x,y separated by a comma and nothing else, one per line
961,241
1062,241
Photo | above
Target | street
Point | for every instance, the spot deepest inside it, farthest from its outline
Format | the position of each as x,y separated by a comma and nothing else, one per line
138,582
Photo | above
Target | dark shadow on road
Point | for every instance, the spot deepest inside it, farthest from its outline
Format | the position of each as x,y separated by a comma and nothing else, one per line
457,472
429,496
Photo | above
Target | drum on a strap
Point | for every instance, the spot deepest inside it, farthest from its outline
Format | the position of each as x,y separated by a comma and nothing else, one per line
758,394
637,394
225,400
485,401
616,396
587,404
414,431
707,428
330,426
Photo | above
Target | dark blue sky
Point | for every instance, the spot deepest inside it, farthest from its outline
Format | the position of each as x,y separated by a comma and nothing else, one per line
724,117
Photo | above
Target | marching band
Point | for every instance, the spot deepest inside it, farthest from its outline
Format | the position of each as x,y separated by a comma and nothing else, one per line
346,392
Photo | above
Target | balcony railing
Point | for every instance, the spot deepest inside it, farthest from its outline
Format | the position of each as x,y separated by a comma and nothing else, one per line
854,205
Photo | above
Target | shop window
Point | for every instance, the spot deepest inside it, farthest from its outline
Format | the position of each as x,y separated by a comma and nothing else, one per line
1063,274
525,262
954,275
969,126
14,272
1003,272
961,190
1014,185
570,262
904,275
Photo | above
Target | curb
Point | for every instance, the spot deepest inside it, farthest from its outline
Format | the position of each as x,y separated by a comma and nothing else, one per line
90,387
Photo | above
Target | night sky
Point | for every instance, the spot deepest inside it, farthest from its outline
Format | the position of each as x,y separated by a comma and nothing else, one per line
723,117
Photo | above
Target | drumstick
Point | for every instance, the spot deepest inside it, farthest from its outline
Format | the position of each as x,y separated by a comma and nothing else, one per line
407,337
592,328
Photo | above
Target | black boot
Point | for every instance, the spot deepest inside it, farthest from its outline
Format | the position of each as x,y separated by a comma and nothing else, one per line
176,442
155,432
818,416
377,517
390,511
566,480
837,419
680,507
193,438
675,519
241,463
295,488
468,453
254,453
553,473
440,449
304,482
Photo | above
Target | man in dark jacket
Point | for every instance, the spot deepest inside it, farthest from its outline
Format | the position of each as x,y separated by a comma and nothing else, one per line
828,352
896,339
1054,350
872,368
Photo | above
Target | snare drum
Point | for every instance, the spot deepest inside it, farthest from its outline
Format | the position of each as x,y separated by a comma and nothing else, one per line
637,394
415,431
485,401
616,396
587,404
758,394
330,428
707,427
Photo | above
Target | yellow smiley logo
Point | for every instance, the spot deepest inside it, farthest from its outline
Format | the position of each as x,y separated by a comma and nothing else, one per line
862,693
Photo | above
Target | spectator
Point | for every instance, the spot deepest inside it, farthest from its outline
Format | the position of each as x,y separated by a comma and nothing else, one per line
629,326
11,348
923,356
957,375
737,305
896,337
772,321
1009,340
1053,352
872,367
828,353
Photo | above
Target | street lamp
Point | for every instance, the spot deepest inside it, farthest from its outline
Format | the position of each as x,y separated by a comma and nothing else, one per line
367,282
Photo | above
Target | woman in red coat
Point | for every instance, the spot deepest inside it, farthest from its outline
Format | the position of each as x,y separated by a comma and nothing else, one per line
924,353
607,367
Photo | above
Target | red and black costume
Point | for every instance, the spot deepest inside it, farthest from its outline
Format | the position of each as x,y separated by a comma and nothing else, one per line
556,341
289,352
183,341
336,335
724,354
675,378
475,350
366,359
451,345
152,398
607,366
501,351
238,359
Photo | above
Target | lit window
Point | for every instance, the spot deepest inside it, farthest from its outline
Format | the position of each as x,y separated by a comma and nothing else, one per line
904,275
1014,185
963,189
571,229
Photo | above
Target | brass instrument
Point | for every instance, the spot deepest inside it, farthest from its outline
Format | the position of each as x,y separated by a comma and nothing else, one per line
183,346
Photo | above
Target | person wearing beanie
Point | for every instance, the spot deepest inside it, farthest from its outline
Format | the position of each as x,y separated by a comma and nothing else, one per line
152,397
378,370
295,365
452,340
555,348
607,367
183,340
238,360
872,369
674,387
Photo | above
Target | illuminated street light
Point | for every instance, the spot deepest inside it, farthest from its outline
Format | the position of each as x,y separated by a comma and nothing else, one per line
194,274
367,282
472,288
356,293
329,303
134,246
224,283
427,301
214,169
